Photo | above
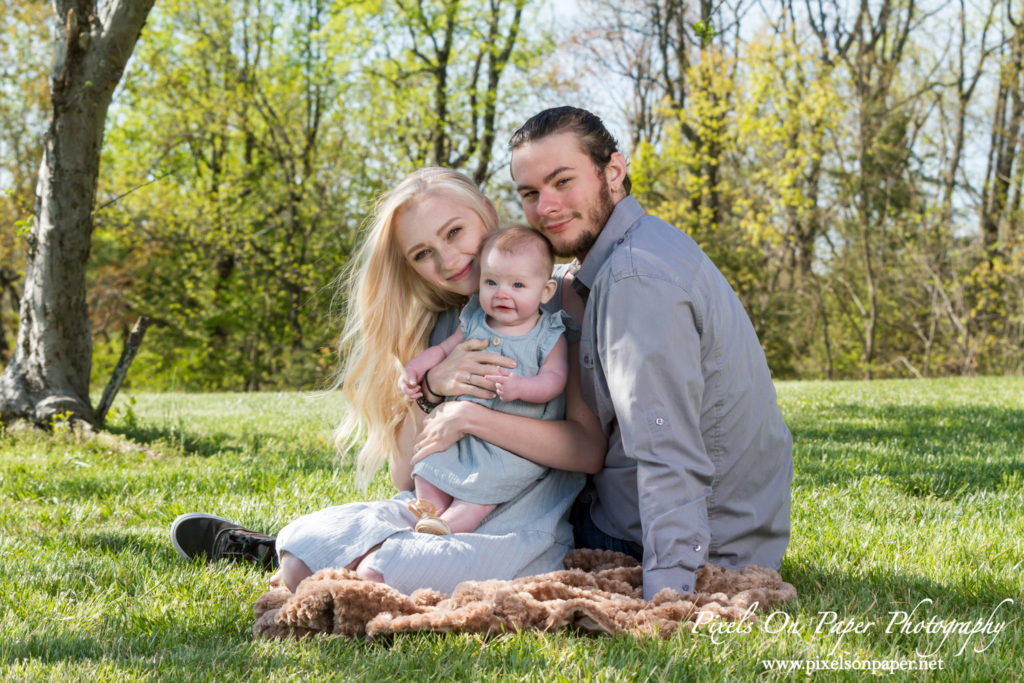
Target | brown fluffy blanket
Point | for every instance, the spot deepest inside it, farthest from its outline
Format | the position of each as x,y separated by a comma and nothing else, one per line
599,591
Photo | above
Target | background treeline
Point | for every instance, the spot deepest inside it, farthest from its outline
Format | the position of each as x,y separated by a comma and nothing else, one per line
854,168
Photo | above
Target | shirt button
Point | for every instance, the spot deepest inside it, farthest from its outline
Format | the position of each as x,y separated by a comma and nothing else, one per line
620,240
496,341
660,421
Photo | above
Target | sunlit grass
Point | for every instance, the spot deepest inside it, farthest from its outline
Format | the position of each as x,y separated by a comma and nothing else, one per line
906,494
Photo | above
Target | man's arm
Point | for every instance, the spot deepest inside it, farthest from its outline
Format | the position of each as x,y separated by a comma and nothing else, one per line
649,348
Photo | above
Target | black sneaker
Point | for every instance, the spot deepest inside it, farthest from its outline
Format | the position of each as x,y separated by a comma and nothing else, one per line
198,534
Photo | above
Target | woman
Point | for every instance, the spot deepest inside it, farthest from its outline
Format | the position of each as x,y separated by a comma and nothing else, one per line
417,265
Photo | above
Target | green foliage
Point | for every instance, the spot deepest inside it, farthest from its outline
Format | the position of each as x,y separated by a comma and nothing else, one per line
24,98
801,176
705,32
903,491
994,325
444,79
236,224
249,138
244,154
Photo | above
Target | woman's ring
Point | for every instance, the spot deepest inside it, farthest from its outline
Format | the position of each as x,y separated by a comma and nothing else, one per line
469,377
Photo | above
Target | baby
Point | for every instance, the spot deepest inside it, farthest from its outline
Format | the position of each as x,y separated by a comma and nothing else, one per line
458,487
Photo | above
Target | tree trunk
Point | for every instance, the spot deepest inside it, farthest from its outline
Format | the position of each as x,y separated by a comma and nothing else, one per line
49,370
1006,127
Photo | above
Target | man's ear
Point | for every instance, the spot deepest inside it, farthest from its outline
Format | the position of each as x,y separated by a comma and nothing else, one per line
550,287
615,174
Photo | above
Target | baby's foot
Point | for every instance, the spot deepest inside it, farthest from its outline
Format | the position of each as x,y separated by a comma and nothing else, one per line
429,522
434,526
421,507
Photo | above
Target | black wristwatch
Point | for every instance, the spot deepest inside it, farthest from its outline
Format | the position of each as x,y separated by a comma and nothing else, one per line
426,405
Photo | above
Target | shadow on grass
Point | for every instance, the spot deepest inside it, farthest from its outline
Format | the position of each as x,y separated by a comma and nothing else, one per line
117,543
303,458
923,450
187,442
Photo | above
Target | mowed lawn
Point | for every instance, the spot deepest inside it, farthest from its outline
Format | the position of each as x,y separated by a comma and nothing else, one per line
908,498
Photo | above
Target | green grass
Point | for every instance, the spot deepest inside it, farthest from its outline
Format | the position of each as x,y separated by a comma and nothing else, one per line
905,492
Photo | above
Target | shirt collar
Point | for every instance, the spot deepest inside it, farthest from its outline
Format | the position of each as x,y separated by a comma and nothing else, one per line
625,214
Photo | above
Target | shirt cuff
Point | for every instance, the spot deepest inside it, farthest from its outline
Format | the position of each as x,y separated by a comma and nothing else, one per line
677,578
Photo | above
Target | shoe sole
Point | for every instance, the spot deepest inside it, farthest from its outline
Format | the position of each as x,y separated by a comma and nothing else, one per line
184,518
433,526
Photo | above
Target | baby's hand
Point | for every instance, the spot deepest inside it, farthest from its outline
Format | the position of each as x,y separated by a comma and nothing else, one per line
409,383
506,385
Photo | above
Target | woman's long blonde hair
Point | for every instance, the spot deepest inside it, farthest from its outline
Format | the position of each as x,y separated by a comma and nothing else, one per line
389,316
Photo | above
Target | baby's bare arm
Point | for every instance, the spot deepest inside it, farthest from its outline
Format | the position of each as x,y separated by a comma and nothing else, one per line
418,366
416,369
548,383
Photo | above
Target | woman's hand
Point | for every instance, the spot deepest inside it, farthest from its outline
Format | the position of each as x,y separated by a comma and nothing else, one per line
447,424
463,371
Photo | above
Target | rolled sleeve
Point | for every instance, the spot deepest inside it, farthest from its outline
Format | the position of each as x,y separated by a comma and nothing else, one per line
650,351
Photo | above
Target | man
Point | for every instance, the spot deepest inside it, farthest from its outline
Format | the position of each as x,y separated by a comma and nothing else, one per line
699,464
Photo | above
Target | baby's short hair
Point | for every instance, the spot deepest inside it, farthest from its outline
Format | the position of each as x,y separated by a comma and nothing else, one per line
513,238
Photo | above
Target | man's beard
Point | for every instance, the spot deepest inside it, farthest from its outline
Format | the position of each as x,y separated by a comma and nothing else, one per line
597,216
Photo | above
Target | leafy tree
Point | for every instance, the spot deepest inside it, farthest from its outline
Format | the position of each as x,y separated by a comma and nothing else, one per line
251,141
23,106
48,373
445,76
236,122
785,118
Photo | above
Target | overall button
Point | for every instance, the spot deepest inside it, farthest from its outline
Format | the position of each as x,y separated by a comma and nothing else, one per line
496,341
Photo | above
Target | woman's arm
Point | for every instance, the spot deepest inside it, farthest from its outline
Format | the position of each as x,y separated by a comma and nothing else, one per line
577,443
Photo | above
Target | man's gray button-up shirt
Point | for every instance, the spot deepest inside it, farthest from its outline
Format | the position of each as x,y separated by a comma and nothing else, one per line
699,465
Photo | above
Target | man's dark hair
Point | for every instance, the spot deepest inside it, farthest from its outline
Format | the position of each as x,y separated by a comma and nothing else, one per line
595,140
